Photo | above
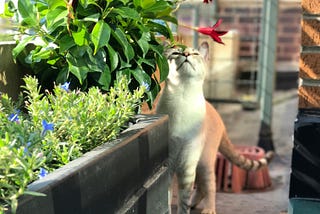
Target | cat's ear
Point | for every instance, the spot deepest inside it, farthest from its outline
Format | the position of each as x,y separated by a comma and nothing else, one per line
204,50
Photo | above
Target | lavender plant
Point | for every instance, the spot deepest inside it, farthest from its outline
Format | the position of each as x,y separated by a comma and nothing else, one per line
57,127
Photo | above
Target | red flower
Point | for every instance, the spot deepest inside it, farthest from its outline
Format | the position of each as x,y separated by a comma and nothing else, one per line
211,31
206,1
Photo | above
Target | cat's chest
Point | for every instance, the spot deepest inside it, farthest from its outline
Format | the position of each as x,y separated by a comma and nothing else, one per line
186,110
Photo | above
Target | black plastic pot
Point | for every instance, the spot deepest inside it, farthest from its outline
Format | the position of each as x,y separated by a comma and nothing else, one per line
304,191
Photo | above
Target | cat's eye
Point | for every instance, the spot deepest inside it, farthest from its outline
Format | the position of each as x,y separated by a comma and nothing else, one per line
176,53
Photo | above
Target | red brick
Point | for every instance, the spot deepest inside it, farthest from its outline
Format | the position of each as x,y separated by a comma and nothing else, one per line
285,39
291,29
309,97
310,66
311,6
291,49
310,35
292,10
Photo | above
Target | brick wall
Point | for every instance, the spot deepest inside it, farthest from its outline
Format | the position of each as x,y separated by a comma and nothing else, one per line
309,90
245,17
304,178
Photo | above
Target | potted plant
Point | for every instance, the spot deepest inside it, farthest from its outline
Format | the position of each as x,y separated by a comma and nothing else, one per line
65,141
91,46
90,43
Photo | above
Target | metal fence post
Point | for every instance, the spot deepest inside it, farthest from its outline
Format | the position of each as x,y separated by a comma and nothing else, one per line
266,70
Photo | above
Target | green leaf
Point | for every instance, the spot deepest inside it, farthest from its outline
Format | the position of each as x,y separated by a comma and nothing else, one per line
169,19
100,35
79,51
63,75
21,46
124,64
152,94
54,3
158,49
92,18
80,37
28,12
53,61
77,67
144,3
44,53
85,3
96,62
137,3
141,76
122,40
56,18
157,7
124,72
149,62
8,10
113,58
105,79
163,67
143,43
126,12
159,28
66,42
147,3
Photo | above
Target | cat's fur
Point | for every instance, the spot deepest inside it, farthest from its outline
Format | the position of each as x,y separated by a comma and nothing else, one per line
196,130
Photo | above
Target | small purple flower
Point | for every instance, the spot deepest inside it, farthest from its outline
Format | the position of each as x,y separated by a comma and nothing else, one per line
46,127
65,86
14,117
26,148
146,85
39,155
42,173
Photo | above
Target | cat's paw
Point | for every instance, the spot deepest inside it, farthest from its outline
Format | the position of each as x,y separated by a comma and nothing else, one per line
208,211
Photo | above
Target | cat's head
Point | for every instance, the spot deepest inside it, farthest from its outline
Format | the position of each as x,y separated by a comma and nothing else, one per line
187,63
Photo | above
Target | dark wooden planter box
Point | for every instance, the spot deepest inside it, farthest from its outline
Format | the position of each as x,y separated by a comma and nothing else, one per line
127,175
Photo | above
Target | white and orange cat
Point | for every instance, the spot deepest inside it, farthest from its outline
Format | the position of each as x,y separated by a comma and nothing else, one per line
196,131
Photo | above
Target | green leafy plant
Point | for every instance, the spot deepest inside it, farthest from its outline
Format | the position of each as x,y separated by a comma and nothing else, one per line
56,128
91,42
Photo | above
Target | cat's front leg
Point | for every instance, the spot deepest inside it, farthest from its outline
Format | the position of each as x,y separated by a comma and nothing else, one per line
186,177
184,200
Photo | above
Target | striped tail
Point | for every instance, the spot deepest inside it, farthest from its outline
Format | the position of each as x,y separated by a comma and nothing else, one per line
230,153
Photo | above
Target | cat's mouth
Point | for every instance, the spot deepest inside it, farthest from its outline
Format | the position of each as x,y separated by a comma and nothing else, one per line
185,62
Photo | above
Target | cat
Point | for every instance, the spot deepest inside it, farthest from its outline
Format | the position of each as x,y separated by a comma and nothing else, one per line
196,131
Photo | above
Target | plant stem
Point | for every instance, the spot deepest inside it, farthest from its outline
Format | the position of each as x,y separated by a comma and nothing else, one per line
189,27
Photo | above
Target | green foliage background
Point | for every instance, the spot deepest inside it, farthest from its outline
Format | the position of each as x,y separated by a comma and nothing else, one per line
91,42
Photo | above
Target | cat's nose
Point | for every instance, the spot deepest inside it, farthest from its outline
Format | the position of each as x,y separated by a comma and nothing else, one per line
186,53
